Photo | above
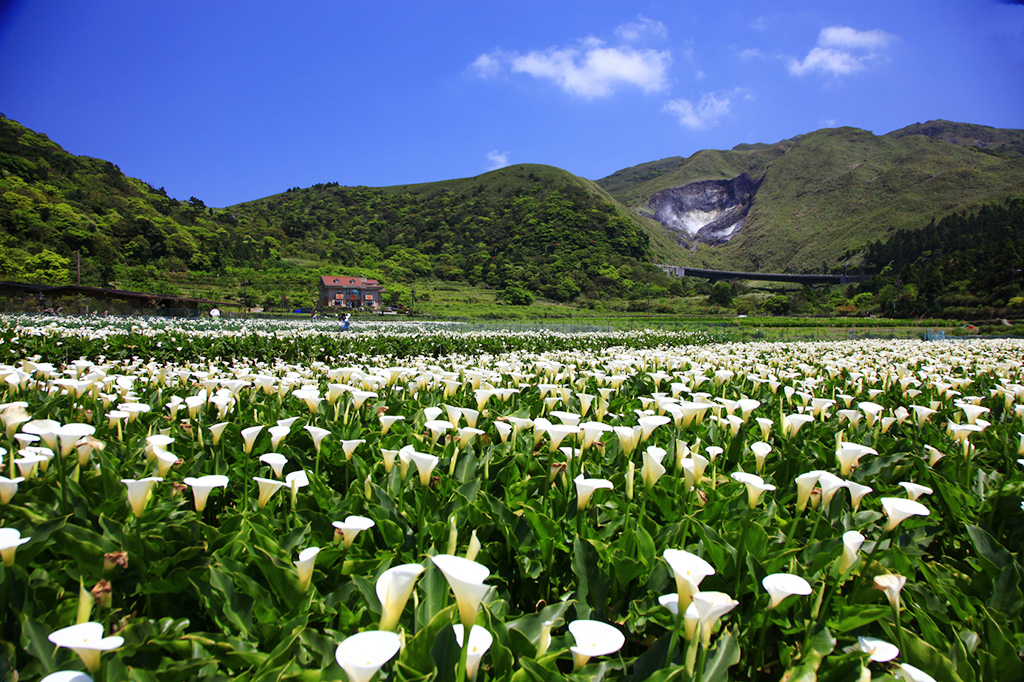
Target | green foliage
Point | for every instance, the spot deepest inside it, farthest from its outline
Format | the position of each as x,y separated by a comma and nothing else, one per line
964,262
721,294
214,593
515,295
825,195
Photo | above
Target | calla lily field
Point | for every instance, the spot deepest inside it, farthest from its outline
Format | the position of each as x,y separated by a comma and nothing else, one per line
259,500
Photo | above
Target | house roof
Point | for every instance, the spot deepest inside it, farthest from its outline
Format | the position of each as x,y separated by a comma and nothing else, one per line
349,281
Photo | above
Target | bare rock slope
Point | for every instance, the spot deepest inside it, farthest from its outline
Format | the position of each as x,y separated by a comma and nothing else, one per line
709,211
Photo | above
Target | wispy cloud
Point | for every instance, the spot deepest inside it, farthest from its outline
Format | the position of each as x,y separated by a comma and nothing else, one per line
641,29
496,159
842,50
709,109
591,68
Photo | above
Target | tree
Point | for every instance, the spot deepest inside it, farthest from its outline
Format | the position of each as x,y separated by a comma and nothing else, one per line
47,267
515,295
721,294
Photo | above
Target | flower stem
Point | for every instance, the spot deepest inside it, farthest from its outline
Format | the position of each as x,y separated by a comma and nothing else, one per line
460,675
740,548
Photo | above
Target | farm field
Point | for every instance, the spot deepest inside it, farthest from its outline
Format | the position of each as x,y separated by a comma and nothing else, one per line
258,500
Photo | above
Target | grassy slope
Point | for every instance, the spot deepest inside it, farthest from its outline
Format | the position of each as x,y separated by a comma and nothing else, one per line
832,191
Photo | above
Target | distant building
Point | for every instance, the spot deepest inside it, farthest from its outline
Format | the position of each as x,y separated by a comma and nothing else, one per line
350,292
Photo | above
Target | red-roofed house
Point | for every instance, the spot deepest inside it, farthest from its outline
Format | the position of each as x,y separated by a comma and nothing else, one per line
350,292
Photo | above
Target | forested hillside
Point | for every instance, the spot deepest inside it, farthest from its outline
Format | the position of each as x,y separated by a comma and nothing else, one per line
54,205
533,229
966,265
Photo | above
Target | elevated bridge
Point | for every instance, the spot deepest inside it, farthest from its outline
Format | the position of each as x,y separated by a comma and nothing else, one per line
718,275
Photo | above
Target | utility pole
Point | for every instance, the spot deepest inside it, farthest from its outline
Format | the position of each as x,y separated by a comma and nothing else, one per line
79,267
412,310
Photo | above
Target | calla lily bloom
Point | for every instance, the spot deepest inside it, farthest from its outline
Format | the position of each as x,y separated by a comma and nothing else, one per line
437,428
277,434
363,654
915,490
791,423
10,540
394,586
585,488
217,430
68,434
139,492
349,447
782,585
653,469
164,460
852,540
689,570
878,650
830,485
249,437
629,437
711,606
649,423
857,493
934,455
891,584
504,430
275,460
848,454
466,578
804,485
755,486
593,638
559,432
203,486
480,641
267,488
898,509
352,526
387,421
921,414
8,487
304,566
761,451
424,462
317,434
592,432
871,411
86,640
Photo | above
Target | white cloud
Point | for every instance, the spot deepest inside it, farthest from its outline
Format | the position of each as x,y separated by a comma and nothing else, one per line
638,30
842,50
851,38
597,71
751,53
487,65
709,109
497,159
590,69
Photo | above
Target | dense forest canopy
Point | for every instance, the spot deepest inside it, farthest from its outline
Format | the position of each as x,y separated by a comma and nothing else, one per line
955,266
532,228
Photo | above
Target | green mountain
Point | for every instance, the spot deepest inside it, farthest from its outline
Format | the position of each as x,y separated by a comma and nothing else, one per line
811,202
816,200
532,228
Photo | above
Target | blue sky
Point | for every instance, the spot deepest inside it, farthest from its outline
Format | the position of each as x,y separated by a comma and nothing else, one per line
231,100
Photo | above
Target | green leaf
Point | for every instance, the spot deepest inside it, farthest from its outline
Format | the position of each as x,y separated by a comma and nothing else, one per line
592,583
987,546
727,654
